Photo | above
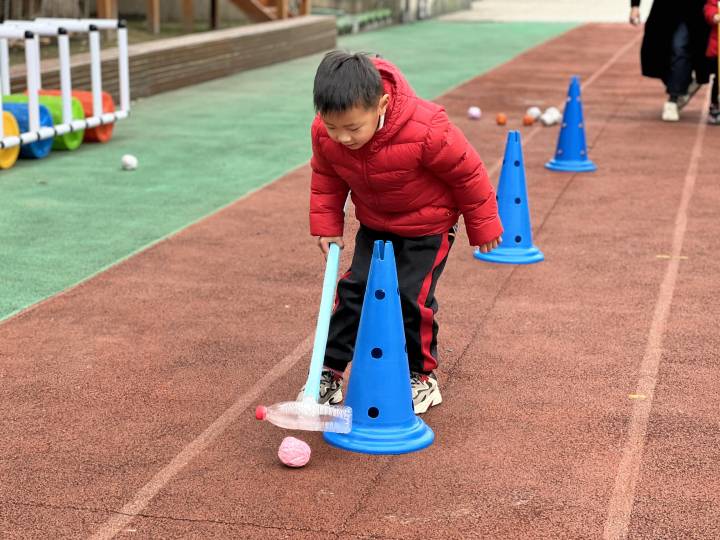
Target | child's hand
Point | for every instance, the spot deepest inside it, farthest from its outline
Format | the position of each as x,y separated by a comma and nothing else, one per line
325,241
716,18
489,246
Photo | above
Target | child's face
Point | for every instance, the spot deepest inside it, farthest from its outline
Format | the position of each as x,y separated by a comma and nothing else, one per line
354,127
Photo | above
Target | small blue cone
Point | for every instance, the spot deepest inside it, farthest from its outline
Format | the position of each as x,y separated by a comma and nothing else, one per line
571,154
379,390
517,245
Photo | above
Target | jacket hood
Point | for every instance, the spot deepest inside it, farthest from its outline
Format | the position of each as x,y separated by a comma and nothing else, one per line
403,101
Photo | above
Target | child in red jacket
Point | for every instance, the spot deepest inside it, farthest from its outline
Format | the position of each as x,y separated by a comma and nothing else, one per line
410,173
713,18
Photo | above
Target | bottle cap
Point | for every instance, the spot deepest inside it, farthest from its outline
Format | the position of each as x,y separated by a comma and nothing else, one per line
260,412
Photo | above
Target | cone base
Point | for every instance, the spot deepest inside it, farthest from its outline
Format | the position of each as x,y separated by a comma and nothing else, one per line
384,439
512,255
571,165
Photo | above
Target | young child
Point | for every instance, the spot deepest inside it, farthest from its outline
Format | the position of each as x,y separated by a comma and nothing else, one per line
713,18
410,173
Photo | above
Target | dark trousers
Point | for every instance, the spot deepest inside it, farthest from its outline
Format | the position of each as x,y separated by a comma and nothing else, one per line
680,74
714,98
420,262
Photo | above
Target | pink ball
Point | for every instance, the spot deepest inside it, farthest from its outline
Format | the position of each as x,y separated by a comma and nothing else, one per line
474,113
294,452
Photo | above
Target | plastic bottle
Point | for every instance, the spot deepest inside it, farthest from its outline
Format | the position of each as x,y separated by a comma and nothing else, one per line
307,415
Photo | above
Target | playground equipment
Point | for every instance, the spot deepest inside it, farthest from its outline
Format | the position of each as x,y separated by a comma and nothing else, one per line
379,391
98,113
33,120
63,108
307,413
98,105
517,246
9,126
571,154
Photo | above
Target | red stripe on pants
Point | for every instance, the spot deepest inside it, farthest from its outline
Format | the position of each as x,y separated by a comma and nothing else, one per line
337,296
426,313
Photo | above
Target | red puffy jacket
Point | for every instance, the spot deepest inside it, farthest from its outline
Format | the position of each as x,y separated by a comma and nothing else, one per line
413,178
711,9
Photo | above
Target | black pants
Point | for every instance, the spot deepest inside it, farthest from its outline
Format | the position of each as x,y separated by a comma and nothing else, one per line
714,97
420,262
680,74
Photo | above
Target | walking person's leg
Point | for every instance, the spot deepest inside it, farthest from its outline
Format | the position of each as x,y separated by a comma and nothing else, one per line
679,75
714,113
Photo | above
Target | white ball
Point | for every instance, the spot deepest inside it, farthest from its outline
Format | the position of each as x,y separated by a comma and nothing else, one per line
534,112
129,162
548,119
474,113
553,112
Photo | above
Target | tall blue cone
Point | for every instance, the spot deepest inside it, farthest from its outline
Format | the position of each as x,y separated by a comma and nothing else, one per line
379,390
571,154
517,246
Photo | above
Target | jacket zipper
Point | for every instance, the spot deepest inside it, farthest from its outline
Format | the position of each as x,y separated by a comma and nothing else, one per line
366,180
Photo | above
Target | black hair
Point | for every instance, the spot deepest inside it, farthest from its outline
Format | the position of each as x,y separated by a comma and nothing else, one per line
344,80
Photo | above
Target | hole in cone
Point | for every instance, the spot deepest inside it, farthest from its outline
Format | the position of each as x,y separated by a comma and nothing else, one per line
379,294
376,352
373,412
517,200
517,163
518,239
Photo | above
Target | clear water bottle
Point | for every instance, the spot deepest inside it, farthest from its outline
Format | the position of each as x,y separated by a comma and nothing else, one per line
307,415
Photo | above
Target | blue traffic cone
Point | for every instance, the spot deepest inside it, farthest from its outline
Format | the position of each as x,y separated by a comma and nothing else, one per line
517,245
379,391
571,153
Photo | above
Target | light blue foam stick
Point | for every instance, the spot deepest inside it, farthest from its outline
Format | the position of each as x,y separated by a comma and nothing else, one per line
312,386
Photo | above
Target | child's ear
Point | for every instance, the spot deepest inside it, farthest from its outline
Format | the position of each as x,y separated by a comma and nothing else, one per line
383,104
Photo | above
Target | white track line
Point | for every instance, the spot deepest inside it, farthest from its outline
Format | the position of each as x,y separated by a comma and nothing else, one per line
610,62
142,498
623,497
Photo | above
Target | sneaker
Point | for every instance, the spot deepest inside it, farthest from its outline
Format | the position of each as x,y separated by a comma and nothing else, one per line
671,112
331,383
714,115
425,391
685,99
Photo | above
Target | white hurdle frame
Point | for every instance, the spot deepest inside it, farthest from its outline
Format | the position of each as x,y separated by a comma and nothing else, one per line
92,28
32,60
30,31
68,124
